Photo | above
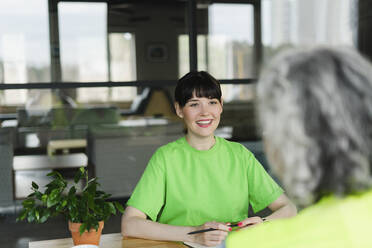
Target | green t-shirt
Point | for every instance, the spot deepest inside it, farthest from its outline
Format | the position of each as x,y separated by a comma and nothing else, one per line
184,186
332,223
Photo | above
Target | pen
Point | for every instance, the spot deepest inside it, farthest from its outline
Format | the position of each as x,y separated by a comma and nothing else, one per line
210,229
233,225
202,231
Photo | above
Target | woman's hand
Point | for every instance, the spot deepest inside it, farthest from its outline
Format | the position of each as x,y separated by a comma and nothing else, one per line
211,238
250,222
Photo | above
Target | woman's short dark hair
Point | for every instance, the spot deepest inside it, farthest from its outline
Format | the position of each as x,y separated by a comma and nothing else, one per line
200,82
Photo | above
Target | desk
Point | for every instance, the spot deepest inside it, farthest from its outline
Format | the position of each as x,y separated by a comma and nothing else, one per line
28,168
114,240
40,162
65,144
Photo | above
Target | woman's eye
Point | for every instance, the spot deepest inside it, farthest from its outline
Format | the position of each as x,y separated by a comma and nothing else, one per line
193,105
213,102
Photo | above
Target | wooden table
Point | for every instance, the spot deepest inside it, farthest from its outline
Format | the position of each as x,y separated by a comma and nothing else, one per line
114,240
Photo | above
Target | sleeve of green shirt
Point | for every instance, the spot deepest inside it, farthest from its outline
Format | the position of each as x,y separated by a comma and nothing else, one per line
263,190
148,196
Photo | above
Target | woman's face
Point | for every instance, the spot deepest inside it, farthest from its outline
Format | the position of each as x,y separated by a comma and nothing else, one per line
201,115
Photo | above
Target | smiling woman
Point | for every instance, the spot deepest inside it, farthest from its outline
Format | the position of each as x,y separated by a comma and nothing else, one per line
201,116
184,190
200,106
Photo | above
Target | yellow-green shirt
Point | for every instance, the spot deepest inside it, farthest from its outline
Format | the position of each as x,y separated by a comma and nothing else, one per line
185,186
332,223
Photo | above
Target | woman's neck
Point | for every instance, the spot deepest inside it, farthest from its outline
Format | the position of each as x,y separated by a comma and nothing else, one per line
201,143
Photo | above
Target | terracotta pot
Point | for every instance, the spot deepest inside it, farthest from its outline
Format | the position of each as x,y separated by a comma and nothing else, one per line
87,238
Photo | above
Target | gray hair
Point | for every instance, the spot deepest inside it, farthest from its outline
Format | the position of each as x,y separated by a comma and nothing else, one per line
316,113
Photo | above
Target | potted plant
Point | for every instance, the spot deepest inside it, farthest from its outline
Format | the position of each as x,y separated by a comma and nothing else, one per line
85,211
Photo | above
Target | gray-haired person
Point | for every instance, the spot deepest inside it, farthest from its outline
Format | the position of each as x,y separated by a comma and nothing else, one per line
316,113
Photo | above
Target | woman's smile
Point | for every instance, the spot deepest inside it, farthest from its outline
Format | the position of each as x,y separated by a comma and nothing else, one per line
204,123
201,116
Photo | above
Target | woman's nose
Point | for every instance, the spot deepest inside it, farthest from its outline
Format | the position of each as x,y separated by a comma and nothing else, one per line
204,109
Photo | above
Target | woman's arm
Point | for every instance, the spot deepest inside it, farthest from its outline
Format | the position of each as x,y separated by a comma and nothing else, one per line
135,224
281,208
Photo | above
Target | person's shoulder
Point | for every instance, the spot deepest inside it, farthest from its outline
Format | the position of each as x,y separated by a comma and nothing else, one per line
304,227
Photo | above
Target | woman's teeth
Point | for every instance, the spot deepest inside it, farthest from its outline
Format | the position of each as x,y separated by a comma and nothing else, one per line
204,122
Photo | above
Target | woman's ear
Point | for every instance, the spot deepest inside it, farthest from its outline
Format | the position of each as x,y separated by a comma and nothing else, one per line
178,110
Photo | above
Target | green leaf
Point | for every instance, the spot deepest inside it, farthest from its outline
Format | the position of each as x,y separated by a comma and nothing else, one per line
77,176
51,174
82,228
38,195
112,208
45,214
91,204
59,208
34,185
43,219
94,179
28,203
91,186
51,202
73,200
58,175
55,174
92,189
31,195
53,198
119,207
44,198
105,196
22,215
61,183
54,193
72,191
37,215
100,192
31,216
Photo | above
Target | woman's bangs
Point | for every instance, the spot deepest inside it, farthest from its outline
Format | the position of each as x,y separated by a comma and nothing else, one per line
207,91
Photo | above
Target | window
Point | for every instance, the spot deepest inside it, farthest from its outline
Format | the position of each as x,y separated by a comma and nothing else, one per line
230,41
288,23
84,56
227,50
122,65
24,47
83,43
183,53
